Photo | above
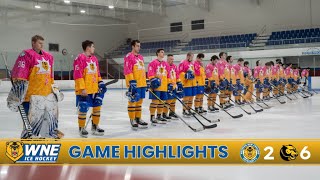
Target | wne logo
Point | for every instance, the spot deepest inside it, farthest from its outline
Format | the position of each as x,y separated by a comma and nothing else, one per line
32,153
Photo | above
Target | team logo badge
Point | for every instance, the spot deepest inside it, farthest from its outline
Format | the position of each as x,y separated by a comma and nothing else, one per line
14,150
92,67
140,64
44,66
288,152
20,152
250,153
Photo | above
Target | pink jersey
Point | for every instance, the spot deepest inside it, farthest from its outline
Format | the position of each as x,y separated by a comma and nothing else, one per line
305,73
224,69
260,72
256,73
275,72
134,69
288,72
185,66
248,71
199,73
238,74
296,74
174,74
159,69
37,69
86,74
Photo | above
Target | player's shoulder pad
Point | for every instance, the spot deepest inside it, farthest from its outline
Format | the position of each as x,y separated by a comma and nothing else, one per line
129,54
22,54
79,56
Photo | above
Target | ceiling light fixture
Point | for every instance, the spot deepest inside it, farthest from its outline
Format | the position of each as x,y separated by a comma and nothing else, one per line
111,7
37,6
67,1
82,11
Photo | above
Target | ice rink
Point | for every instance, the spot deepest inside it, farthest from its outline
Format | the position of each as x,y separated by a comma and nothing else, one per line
295,119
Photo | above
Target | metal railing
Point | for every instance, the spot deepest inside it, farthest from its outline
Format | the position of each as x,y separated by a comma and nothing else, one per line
295,41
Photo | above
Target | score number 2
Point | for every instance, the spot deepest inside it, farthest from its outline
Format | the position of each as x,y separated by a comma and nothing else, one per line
304,154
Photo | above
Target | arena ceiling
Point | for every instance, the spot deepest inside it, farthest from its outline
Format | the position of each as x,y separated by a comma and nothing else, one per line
119,10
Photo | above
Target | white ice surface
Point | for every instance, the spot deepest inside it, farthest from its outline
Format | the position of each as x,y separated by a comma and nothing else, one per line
295,119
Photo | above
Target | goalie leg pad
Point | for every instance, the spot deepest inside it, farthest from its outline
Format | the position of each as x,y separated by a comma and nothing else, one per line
52,116
36,114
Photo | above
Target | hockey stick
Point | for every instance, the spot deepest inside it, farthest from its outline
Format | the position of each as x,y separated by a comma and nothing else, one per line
282,93
303,88
268,107
275,97
186,106
24,117
310,88
249,113
111,82
194,129
300,91
260,110
235,117
256,110
291,92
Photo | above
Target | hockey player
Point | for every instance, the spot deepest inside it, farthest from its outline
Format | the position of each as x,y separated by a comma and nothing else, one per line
187,77
266,82
213,83
89,88
177,89
275,70
289,76
231,82
259,77
282,80
32,74
160,85
305,76
247,74
201,80
136,82
224,76
237,78
296,79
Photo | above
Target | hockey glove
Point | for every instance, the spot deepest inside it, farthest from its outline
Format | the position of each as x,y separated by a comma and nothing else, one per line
179,87
155,83
102,87
189,75
132,87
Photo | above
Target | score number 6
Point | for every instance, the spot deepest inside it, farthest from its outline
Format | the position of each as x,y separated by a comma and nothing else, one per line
304,154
